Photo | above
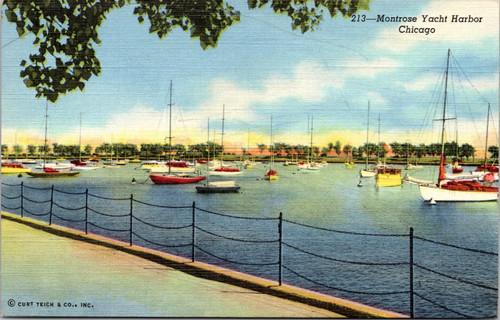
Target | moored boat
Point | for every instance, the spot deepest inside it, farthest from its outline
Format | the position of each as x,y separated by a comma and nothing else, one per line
388,177
14,168
174,179
456,190
218,187
170,178
52,173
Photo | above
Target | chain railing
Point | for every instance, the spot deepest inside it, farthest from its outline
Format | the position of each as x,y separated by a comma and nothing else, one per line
132,221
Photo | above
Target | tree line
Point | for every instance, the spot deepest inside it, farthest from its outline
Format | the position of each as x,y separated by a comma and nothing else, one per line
202,150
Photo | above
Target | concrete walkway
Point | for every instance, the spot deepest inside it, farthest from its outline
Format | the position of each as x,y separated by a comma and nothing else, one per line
47,275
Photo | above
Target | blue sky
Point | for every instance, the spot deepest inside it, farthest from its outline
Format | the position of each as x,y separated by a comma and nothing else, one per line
262,68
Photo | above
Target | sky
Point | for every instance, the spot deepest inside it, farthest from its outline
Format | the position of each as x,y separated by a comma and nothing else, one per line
261,68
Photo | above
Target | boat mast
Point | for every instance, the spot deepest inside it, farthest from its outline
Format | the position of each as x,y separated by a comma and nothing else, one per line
222,135
170,130
378,143
367,134
80,140
444,104
486,143
312,129
208,140
45,141
271,145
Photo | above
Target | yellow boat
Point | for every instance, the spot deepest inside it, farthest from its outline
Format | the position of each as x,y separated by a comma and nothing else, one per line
14,168
134,161
350,165
271,175
388,177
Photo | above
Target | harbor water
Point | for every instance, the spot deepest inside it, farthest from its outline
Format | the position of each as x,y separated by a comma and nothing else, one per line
364,259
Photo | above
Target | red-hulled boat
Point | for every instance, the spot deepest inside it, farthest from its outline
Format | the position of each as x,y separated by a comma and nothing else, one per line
173,179
227,169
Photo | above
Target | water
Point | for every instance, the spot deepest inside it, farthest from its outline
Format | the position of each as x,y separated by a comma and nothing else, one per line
328,199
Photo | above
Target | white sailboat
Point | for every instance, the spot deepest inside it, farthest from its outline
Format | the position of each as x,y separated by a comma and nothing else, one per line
228,186
222,170
368,172
310,166
455,190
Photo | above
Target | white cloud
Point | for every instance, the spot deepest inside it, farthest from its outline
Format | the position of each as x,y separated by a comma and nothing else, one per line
364,68
391,39
420,84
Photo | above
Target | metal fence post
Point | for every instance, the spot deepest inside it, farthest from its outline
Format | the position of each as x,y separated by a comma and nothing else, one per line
51,204
86,210
280,257
193,232
22,199
131,211
411,274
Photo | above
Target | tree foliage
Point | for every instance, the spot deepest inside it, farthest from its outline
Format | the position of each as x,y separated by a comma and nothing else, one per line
66,31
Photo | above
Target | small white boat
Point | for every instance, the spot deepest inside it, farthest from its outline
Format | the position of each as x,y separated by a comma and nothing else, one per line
218,187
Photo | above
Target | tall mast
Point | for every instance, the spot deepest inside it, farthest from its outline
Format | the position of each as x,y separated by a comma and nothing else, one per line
271,145
312,129
208,141
367,134
378,143
170,129
80,140
222,134
45,141
445,100
486,143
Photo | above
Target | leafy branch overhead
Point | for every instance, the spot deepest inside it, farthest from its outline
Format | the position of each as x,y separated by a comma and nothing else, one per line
65,32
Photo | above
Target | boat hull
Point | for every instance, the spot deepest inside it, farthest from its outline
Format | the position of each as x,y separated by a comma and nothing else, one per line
15,170
367,173
272,177
217,189
389,180
438,194
164,179
52,174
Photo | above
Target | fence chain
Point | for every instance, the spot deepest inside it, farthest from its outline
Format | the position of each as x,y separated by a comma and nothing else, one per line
441,306
160,227
237,262
347,261
455,278
161,245
234,239
455,246
108,229
236,217
346,232
108,215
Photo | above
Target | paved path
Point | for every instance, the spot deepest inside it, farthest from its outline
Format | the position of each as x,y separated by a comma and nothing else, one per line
40,267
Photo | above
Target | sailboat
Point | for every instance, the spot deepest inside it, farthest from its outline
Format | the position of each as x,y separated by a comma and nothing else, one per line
310,166
222,170
486,167
51,172
271,175
371,172
455,190
79,165
173,178
228,186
